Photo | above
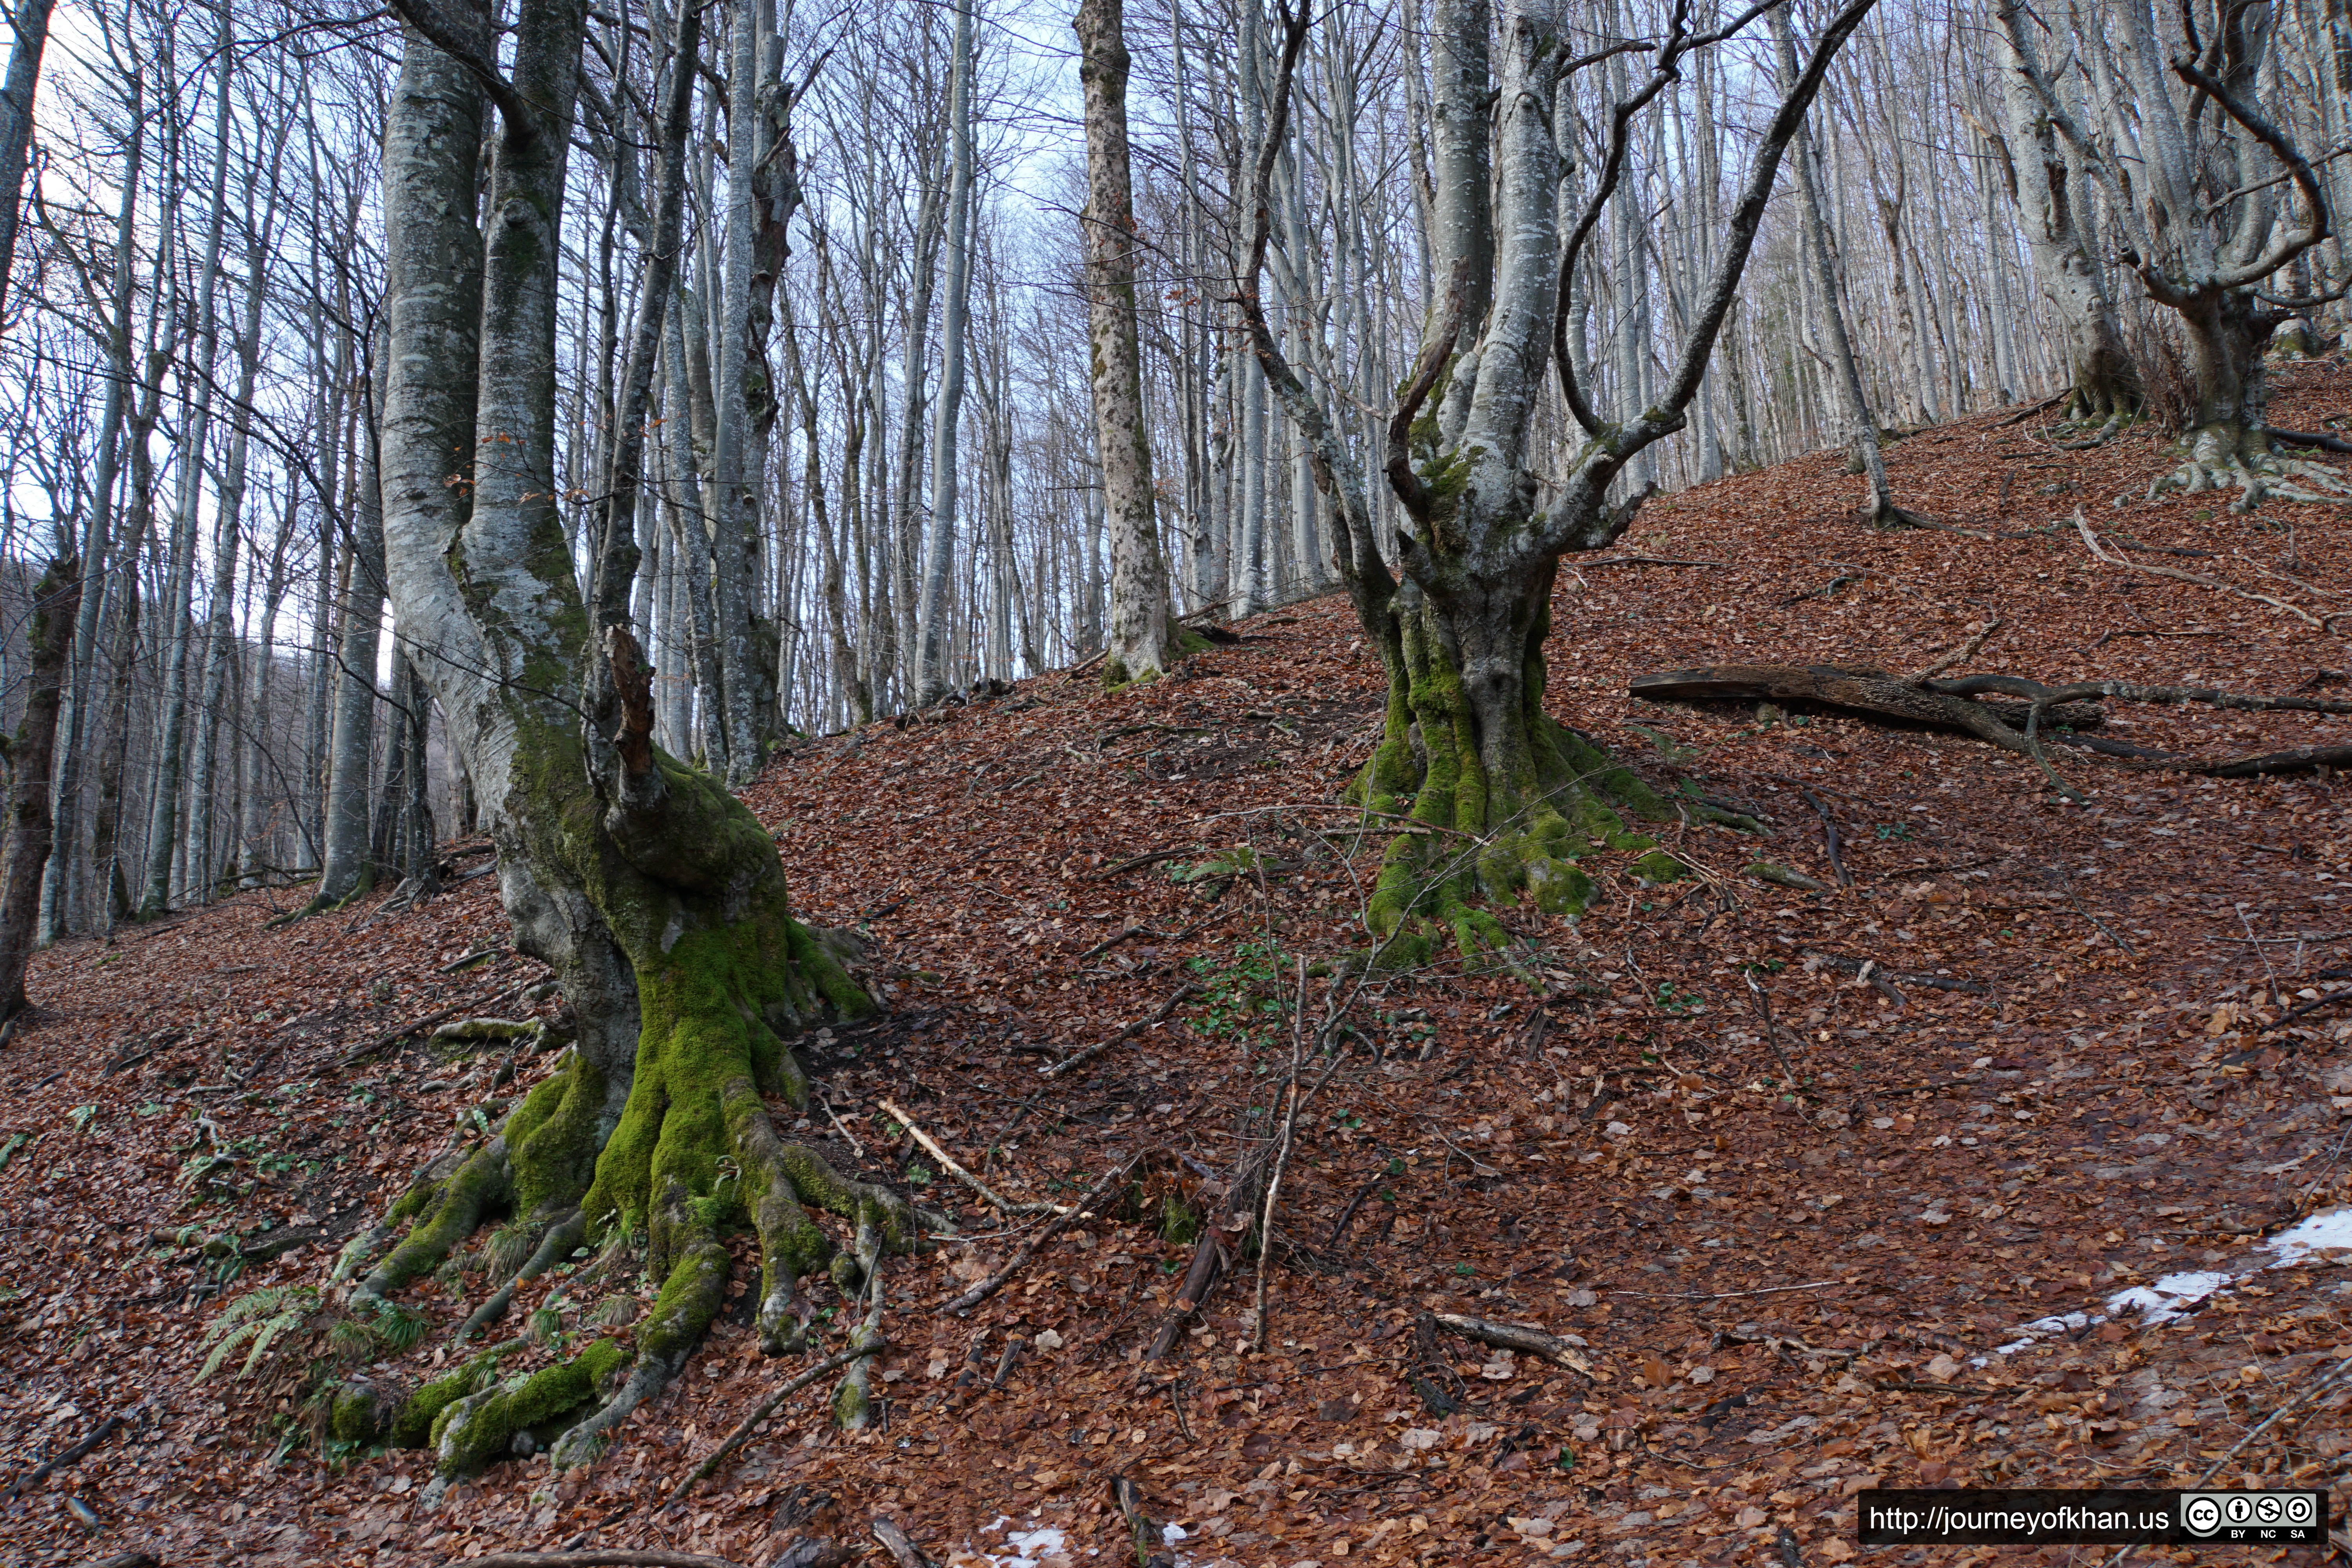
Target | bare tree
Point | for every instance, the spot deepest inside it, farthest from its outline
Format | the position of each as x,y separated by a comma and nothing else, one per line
656,896
1463,634
2213,203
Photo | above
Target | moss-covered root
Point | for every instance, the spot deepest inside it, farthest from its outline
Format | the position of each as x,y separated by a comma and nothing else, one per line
567,1233
360,1411
539,1166
518,1414
414,1199
853,1404
689,1301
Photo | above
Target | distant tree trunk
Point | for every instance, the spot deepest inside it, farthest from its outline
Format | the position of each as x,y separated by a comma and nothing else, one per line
1142,642
1863,454
57,901
25,855
213,727
347,866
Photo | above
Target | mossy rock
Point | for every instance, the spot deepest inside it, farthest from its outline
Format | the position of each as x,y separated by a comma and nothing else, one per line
1658,866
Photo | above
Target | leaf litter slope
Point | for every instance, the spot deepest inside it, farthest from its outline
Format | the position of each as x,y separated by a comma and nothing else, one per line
1784,1290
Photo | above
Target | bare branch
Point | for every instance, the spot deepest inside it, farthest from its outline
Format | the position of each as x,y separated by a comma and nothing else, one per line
2314,226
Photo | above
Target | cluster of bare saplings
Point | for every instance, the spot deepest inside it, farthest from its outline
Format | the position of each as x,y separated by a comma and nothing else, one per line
522,419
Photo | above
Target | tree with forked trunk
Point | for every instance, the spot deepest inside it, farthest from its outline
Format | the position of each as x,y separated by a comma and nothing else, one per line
2213,200
655,895
1466,746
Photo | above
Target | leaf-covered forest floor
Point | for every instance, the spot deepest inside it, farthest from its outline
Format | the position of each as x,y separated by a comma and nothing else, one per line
1785,1292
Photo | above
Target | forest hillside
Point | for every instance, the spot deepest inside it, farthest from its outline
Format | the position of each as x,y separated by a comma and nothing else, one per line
1943,1130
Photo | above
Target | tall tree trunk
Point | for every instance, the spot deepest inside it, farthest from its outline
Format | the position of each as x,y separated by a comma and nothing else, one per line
26,855
1861,434
1142,642
347,866
163,839
2103,383
96,552
933,630
657,898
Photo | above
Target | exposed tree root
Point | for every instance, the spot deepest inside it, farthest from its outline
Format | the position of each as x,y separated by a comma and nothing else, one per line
2091,541
2114,426
656,1159
2247,460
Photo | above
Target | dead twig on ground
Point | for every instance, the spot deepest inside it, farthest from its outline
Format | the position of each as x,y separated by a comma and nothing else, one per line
903,1552
1513,1337
1830,833
1771,1030
1281,1158
995,1282
1961,654
1856,967
765,1408
1090,1052
947,1162
73,1455
2091,541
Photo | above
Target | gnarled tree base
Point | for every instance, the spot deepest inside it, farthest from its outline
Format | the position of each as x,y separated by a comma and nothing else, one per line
2244,458
1505,800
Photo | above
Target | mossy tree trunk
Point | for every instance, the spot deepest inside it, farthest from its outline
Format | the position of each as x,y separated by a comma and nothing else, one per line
1505,796
655,894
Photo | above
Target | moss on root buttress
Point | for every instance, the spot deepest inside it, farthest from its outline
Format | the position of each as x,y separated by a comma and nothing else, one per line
1511,812
704,1059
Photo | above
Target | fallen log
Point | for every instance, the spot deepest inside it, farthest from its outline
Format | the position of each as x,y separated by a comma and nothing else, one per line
1952,705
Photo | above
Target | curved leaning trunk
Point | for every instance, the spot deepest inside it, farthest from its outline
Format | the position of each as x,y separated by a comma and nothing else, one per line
655,895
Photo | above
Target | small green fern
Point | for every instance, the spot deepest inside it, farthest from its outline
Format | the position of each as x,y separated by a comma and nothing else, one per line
258,1320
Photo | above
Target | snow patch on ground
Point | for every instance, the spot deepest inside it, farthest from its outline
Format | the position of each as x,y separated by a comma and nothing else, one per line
2176,1295
1043,1546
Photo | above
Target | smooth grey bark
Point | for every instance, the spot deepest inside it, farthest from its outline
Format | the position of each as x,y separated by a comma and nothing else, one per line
933,629
213,725
2213,202
1141,642
734,467
254,831
58,904
346,866
1860,425
2046,182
